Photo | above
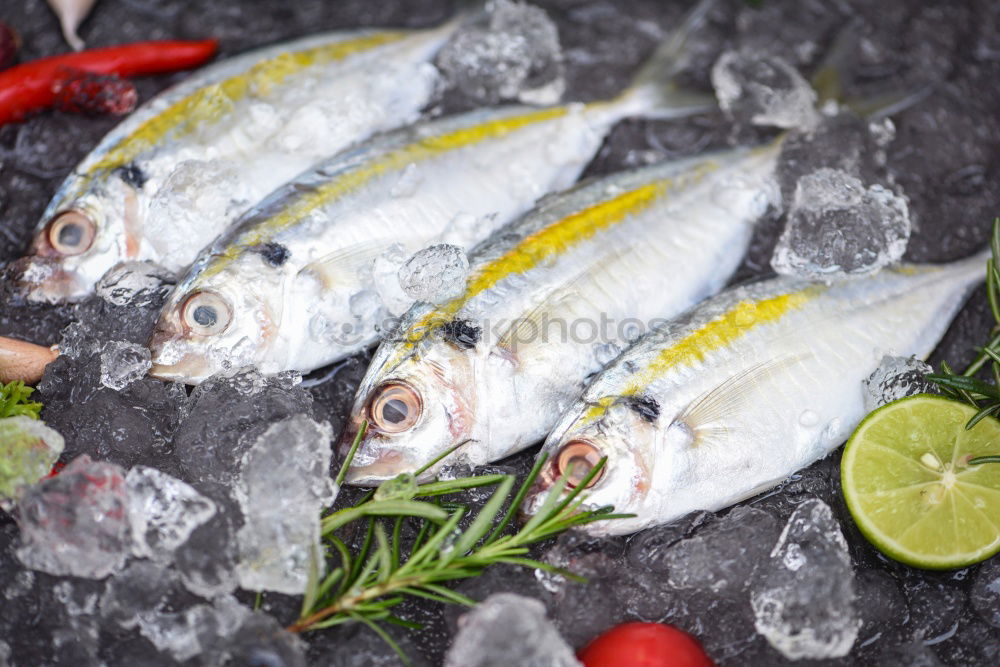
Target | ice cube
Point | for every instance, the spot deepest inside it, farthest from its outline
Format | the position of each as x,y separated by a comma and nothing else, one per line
764,89
137,284
508,629
723,555
163,511
207,560
225,414
28,450
283,485
260,640
184,634
385,278
139,591
123,363
803,598
516,56
75,523
895,378
435,274
838,228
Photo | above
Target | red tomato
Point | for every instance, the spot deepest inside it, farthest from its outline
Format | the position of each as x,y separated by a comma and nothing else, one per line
644,645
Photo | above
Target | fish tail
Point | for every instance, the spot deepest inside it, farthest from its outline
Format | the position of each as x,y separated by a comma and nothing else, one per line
653,92
829,79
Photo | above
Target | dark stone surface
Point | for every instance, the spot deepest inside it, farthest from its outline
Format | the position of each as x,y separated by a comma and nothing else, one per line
946,157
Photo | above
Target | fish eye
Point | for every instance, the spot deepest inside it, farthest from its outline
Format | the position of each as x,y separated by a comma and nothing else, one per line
395,407
206,313
71,233
581,456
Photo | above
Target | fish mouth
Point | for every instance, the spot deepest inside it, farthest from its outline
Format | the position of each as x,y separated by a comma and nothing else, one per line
43,280
387,465
183,365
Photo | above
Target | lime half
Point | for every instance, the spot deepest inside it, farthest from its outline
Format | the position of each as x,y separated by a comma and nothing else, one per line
909,485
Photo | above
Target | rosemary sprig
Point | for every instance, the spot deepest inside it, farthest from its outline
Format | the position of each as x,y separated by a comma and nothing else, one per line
964,386
368,584
15,400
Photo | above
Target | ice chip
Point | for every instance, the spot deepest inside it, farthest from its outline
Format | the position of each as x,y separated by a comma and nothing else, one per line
435,274
283,485
28,450
137,284
515,56
837,228
896,378
138,591
764,89
76,522
123,363
508,629
385,277
207,560
185,634
803,598
195,191
163,511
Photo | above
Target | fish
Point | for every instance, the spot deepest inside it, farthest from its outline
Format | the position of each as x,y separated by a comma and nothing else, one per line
177,172
549,298
292,286
735,395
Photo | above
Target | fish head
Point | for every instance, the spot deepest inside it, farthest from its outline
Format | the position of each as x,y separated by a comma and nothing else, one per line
215,322
616,433
80,238
417,408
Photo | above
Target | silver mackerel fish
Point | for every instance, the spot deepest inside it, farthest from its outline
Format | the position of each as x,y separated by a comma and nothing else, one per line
743,390
292,287
550,299
173,175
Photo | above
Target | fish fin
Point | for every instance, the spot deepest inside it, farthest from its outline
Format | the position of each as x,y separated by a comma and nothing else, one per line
508,341
653,92
705,415
828,80
344,262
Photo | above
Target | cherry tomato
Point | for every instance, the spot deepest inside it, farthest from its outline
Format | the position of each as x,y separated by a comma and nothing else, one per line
644,645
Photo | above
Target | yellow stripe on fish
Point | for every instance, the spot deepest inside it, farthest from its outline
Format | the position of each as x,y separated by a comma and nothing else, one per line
715,335
301,206
210,103
548,242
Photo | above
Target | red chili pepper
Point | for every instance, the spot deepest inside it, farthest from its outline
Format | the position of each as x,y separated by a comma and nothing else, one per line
31,86
56,469
85,92
644,645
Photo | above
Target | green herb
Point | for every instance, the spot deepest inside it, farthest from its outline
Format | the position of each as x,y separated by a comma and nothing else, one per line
14,401
982,395
367,585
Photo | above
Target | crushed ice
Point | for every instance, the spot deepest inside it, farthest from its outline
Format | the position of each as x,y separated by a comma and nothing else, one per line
896,378
123,363
76,522
838,228
435,274
283,485
764,89
804,598
516,55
